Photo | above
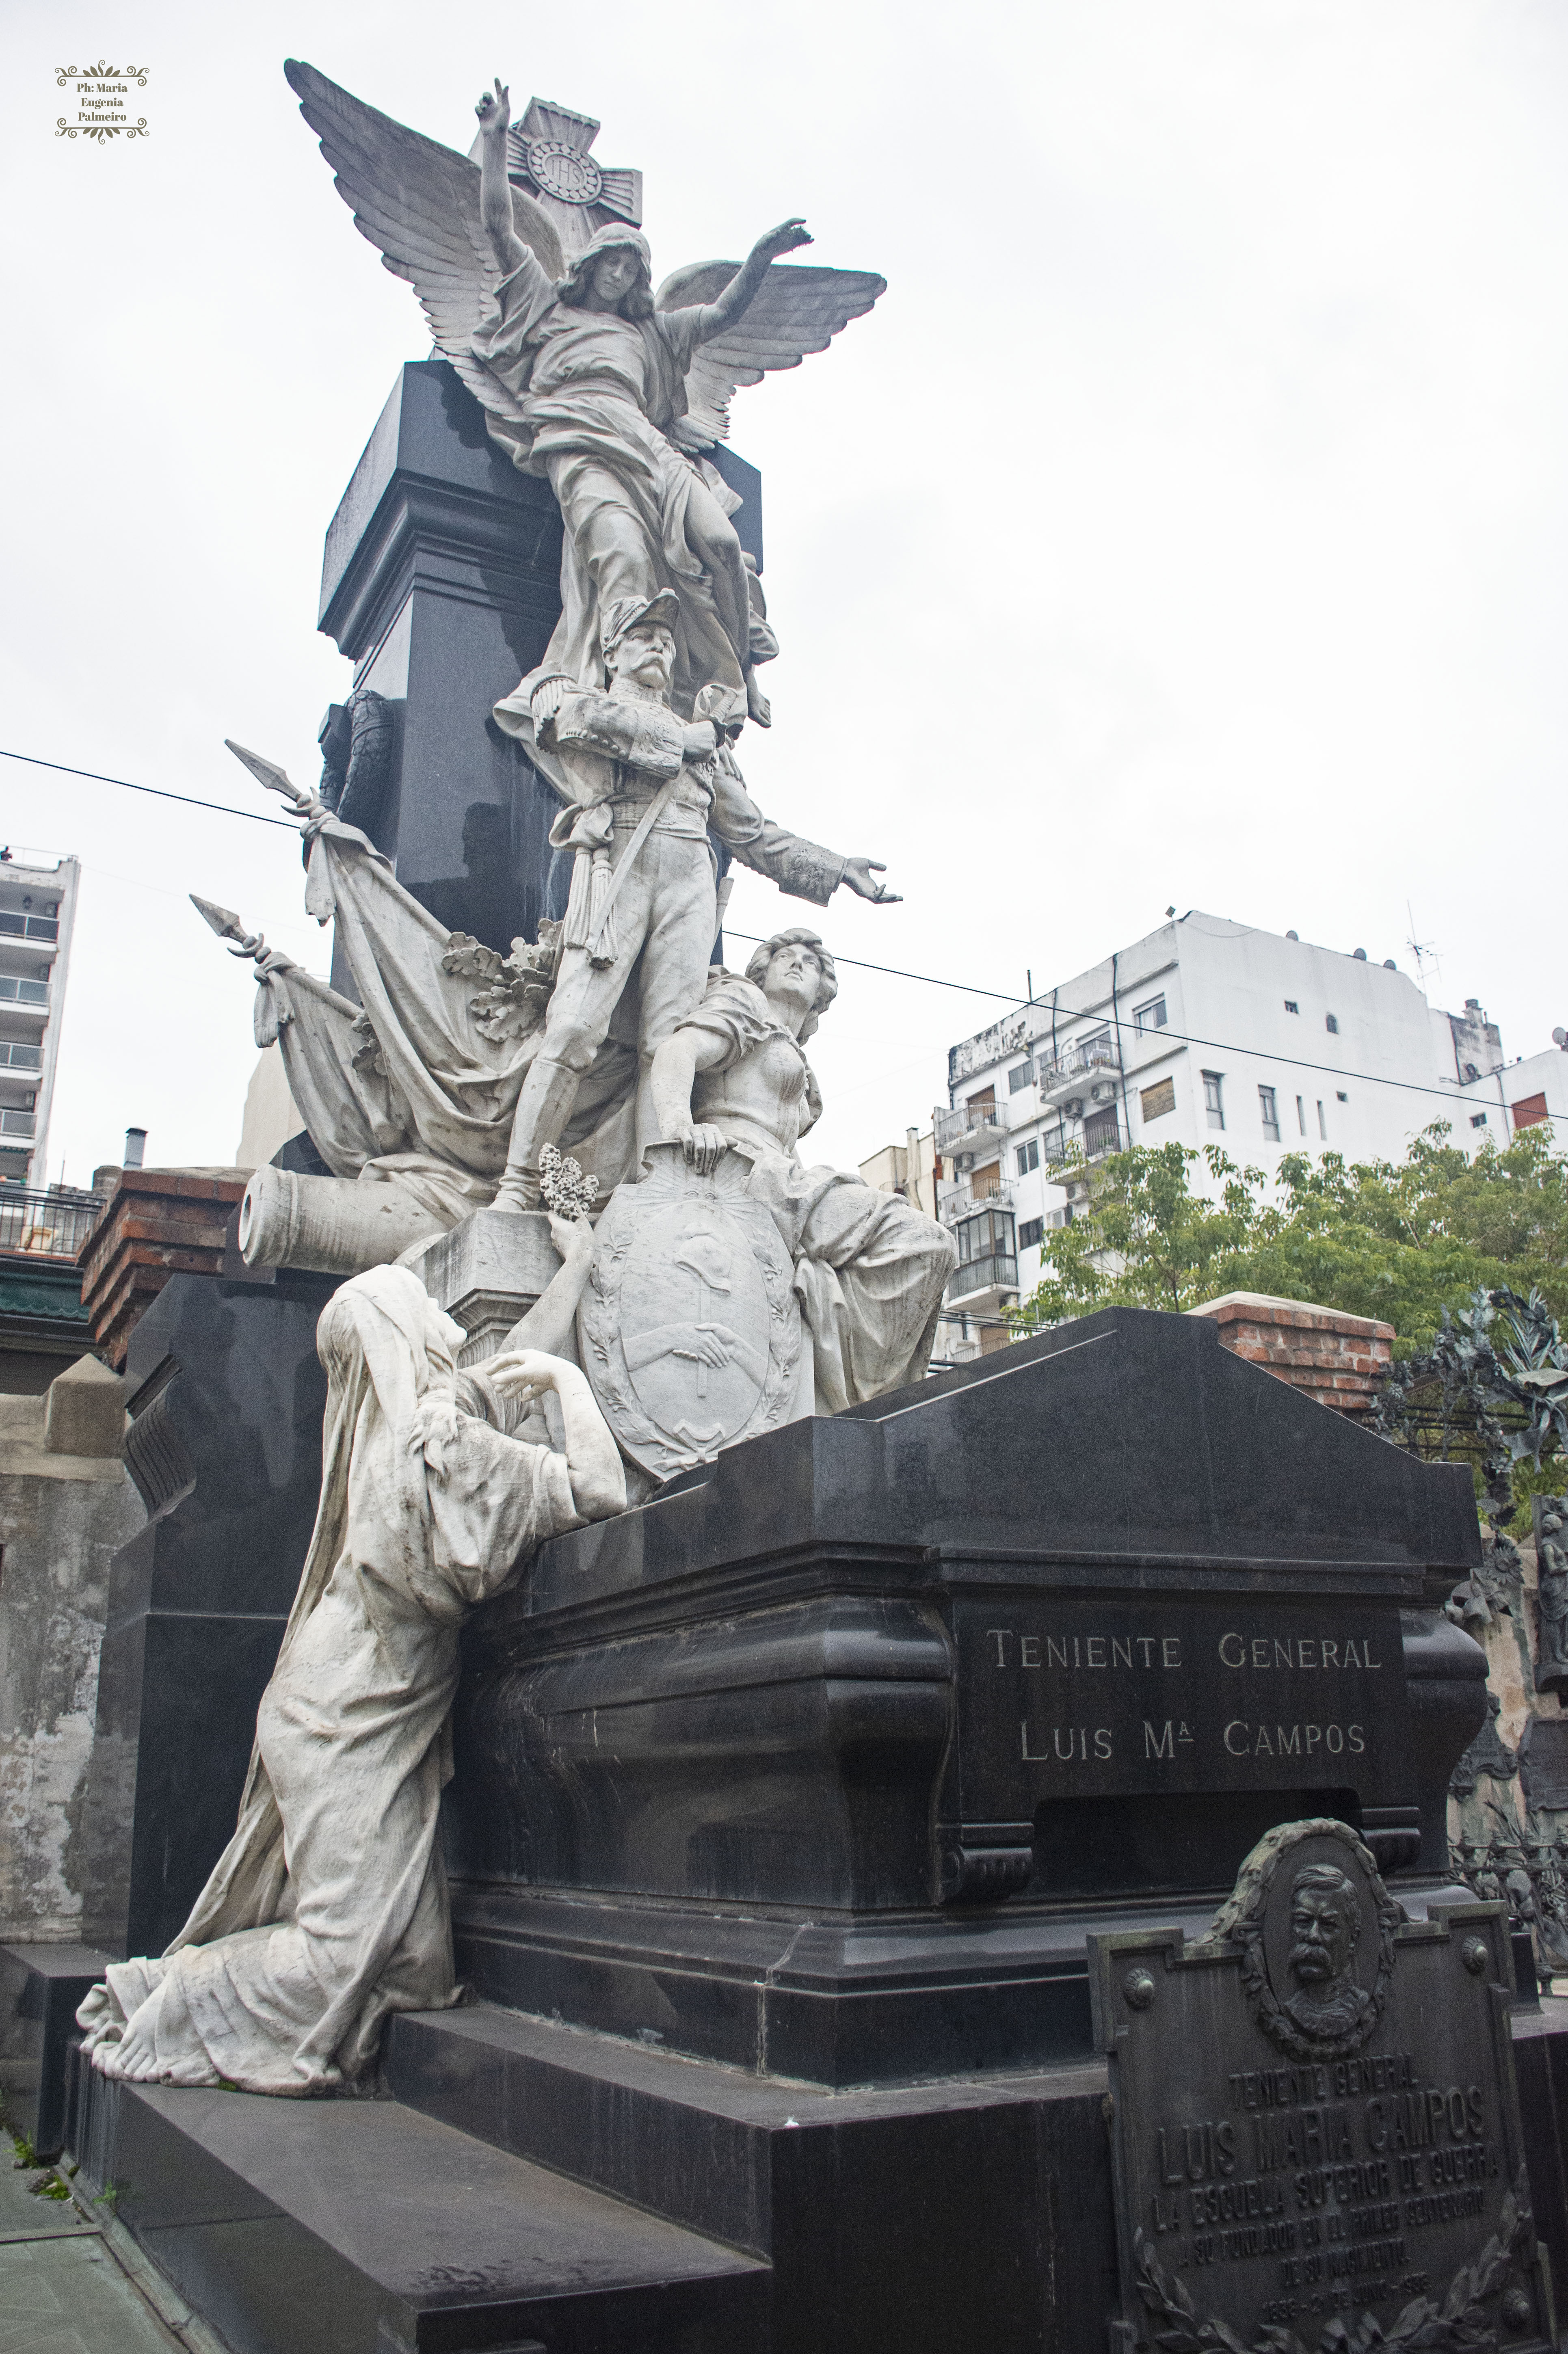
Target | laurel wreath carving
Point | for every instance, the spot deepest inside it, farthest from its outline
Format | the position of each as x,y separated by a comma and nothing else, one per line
1458,2324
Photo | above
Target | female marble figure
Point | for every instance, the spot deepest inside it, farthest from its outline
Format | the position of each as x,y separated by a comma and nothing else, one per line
601,373
587,376
869,1270
328,1909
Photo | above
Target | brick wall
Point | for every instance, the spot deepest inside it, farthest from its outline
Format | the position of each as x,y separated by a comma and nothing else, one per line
1339,1360
161,1222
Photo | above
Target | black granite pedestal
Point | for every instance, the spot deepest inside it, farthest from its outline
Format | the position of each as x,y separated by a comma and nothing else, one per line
441,582
226,1397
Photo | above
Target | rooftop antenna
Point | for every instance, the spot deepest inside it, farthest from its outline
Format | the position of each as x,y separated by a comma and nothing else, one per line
1421,950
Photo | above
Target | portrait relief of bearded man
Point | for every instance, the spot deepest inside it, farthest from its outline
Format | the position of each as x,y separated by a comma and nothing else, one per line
1325,1930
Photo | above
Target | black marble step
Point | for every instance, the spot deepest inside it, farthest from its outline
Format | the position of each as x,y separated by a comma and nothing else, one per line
953,2217
367,2227
41,1987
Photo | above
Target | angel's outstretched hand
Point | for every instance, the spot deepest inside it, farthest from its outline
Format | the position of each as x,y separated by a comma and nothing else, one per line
782,239
495,111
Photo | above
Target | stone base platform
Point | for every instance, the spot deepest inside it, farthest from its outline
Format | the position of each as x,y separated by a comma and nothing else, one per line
540,2189
838,2003
365,2227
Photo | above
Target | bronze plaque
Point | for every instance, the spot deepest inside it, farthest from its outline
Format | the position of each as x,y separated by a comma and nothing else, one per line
1314,2120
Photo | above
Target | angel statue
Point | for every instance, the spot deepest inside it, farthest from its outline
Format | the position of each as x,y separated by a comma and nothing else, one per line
588,377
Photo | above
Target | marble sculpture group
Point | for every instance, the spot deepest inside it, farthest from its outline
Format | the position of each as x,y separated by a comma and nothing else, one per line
720,1286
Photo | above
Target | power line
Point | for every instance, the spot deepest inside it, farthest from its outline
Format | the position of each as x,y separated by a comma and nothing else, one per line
895,972
222,809
1187,1038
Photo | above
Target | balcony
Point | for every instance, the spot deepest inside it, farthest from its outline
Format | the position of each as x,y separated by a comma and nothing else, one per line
968,1131
1076,1072
15,1056
14,992
28,928
964,1201
50,1226
979,1285
21,1124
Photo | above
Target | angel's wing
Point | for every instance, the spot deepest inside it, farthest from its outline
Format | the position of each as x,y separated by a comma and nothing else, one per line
419,205
797,309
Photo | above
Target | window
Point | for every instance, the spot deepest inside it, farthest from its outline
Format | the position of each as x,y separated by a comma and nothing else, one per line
1062,1217
1269,1107
1332,1023
1031,1233
1151,1016
1214,1102
1322,1123
1339,1096
1301,1115
1020,1077
1029,1156
1291,1006
984,1101
1155,1101
1530,1112
984,1235
1479,1120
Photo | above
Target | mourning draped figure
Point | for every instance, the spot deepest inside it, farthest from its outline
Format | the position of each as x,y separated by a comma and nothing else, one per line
328,1908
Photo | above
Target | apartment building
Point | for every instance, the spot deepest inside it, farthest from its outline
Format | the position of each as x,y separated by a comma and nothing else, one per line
1205,1032
38,908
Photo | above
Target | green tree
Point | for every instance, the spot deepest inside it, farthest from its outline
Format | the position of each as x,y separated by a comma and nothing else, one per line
1396,1240
1143,1238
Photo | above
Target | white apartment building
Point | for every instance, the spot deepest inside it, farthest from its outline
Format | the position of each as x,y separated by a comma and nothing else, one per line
37,907
1206,1032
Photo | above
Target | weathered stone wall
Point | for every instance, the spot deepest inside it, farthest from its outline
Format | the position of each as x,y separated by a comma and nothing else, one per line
63,1516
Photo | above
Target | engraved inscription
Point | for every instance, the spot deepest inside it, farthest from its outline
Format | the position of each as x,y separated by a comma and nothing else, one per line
1362,2197
1077,1699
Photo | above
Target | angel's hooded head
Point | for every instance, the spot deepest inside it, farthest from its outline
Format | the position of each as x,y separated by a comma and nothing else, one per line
620,243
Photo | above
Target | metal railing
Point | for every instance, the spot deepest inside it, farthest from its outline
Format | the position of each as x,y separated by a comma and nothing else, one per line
52,1225
954,1128
1082,1062
998,1273
28,928
15,1056
965,1201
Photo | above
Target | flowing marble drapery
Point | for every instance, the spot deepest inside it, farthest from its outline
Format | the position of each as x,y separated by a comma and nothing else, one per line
328,1908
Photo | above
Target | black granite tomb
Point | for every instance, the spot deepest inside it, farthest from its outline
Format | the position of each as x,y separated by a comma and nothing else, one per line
776,1881
825,1759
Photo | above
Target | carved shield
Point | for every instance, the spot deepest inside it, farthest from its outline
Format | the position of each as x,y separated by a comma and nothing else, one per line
689,1329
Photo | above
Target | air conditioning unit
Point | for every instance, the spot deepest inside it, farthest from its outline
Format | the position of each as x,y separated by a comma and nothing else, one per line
1074,1108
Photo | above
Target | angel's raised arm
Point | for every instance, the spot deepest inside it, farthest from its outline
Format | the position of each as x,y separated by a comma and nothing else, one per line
494,112
737,297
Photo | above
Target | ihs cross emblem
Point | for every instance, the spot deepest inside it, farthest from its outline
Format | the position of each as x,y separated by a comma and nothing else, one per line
547,156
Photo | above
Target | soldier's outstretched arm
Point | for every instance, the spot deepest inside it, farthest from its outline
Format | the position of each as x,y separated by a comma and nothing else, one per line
803,869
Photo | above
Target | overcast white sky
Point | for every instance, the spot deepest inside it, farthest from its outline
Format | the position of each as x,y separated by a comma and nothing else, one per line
1189,522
